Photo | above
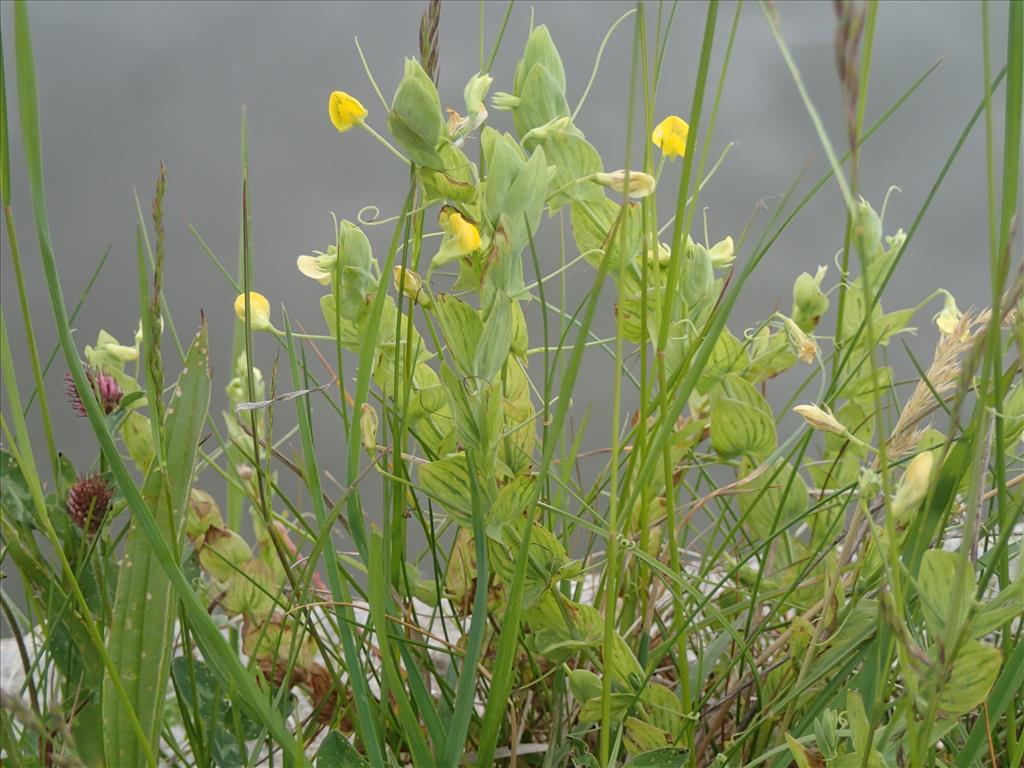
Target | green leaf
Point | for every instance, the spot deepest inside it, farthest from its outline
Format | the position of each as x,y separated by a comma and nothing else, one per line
1005,607
541,100
575,161
462,329
495,340
666,757
584,684
971,676
336,752
15,497
936,586
415,118
142,626
773,500
641,737
513,500
799,753
741,420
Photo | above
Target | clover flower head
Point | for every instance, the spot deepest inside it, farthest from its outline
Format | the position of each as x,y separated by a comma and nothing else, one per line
108,392
88,502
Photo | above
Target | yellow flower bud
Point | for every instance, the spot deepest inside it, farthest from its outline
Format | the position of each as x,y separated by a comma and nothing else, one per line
640,184
345,111
914,485
260,310
820,419
411,284
670,136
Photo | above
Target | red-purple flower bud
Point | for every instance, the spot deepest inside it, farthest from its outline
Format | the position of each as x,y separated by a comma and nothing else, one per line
88,502
108,392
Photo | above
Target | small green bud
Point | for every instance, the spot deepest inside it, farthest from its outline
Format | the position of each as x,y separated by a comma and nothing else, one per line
809,302
475,92
868,230
504,102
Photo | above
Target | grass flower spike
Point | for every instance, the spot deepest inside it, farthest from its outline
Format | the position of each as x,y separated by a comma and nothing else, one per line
260,310
670,136
346,111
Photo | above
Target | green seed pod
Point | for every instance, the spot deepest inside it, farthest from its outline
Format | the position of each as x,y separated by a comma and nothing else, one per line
223,552
250,590
203,513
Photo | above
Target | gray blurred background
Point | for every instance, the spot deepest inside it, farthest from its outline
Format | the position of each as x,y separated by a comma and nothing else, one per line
123,86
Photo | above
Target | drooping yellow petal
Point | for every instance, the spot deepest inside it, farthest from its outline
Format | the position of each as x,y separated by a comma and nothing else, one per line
260,308
670,136
345,111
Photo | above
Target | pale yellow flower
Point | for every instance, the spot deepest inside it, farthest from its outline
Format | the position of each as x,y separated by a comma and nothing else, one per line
260,307
670,136
914,485
320,267
949,318
723,253
345,111
640,184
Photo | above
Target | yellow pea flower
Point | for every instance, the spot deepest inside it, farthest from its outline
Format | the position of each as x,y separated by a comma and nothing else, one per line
464,233
260,310
345,111
461,237
320,267
670,136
